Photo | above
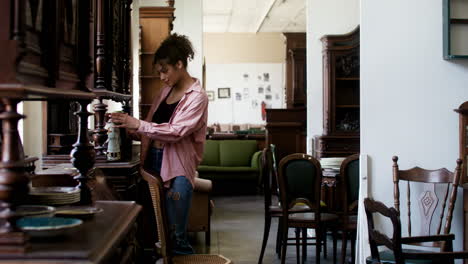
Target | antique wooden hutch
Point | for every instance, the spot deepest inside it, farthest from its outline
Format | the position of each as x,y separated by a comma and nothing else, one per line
63,52
341,88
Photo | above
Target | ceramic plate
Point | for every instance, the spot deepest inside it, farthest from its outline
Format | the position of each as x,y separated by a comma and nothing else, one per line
80,212
47,226
35,210
51,191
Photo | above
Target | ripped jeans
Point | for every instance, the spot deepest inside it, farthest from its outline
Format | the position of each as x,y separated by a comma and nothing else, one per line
178,201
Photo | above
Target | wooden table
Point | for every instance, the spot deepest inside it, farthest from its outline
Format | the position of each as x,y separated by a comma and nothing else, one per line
108,237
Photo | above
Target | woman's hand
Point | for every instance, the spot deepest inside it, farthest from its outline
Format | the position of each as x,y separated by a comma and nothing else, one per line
124,120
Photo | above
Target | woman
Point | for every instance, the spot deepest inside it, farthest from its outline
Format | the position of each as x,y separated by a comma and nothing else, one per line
175,131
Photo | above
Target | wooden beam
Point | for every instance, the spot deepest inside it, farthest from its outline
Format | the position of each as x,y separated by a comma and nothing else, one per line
263,15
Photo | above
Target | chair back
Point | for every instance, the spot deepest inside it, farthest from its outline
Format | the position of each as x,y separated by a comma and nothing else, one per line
376,238
349,181
155,185
269,174
427,199
299,181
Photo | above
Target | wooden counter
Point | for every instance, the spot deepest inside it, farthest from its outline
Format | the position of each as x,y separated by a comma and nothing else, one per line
108,237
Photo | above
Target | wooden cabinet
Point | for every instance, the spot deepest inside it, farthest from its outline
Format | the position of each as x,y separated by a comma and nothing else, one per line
462,110
296,86
455,29
341,104
45,49
286,128
155,26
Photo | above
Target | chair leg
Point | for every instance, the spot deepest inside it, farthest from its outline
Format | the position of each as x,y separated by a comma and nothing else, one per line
284,240
343,245
208,237
353,247
266,232
279,233
298,244
324,239
334,234
304,244
208,231
318,241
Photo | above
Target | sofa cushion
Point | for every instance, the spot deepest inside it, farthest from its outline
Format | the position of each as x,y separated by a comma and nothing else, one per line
236,153
211,153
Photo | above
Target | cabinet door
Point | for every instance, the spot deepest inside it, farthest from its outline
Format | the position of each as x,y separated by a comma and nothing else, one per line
455,29
299,83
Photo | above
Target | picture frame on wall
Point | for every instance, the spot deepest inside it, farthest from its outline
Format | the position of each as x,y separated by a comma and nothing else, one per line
211,95
224,92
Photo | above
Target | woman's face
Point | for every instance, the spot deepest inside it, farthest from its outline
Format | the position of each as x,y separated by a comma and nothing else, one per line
169,74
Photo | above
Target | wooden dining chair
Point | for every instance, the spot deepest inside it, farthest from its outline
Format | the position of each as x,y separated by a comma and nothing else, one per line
163,246
299,181
348,181
272,207
427,199
428,183
394,244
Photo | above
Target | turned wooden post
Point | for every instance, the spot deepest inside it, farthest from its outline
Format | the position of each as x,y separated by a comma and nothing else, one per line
83,154
13,178
100,46
100,133
126,142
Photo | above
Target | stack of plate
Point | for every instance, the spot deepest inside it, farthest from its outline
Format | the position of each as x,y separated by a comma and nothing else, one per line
54,195
331,163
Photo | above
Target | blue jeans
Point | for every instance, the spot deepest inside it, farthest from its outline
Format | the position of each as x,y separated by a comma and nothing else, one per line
178,201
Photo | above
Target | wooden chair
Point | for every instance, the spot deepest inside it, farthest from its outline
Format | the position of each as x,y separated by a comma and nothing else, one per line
349,191
272,209
299,181
394,244
157,195
427,200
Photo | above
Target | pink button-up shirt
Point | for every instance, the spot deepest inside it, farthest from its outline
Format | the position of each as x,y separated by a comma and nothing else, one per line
184,135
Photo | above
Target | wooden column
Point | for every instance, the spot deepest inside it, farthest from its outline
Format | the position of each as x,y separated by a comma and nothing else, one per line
100,133
13,178
83,154
100,46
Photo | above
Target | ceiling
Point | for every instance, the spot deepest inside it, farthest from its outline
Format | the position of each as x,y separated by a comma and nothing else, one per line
220,16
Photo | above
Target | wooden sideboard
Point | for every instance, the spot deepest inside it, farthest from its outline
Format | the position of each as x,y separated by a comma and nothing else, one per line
286,128
108,237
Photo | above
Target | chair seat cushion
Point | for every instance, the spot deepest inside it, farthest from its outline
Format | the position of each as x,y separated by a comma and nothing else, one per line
200,258
310,217
387,256
296,208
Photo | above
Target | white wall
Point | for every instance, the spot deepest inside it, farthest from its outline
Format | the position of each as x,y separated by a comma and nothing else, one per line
323,18
244,47
247,93
231,55
189,22
408,93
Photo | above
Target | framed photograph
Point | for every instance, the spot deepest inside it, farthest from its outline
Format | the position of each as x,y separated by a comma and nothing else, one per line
224,92
211,95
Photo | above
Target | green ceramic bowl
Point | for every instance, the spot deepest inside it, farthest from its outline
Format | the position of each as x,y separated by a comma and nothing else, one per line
47,226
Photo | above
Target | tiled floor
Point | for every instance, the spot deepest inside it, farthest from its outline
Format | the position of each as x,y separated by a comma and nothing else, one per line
237,231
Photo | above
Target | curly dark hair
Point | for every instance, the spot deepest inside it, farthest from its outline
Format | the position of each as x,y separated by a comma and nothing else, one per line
174,48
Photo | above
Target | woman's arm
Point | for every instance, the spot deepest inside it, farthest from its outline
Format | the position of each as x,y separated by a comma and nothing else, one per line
133,134
186,120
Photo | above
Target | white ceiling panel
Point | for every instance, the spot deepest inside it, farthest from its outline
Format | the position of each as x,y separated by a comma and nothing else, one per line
254,15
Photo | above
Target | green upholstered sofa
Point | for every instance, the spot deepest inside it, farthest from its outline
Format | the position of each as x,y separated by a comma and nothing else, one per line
230,165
